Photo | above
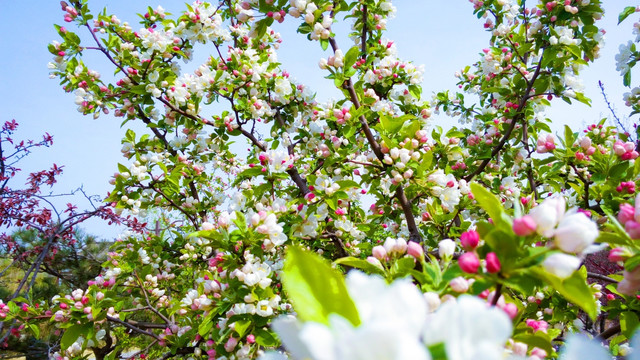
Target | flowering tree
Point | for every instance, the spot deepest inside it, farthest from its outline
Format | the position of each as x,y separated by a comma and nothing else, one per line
49,233
492,218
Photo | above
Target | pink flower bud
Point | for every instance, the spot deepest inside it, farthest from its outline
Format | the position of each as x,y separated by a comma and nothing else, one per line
633,229
414,249
231,344
524,226
626,213
493,263
469,239
379,252
469,263
511,310
459,284
539,353
251,339
618,254
537,325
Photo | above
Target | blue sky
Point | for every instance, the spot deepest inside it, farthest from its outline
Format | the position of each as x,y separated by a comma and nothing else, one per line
443,35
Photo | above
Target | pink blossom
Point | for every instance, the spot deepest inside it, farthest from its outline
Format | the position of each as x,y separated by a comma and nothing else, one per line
469,262
537,325
414,249
469,239
231,344
633,229
379,252
524,226
493,263
627,212
459,284
618,254
511,310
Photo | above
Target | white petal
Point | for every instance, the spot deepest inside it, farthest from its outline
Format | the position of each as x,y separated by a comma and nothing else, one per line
288,330
579,347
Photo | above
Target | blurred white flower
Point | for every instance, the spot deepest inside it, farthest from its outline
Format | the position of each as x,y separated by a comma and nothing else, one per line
469,328
392,318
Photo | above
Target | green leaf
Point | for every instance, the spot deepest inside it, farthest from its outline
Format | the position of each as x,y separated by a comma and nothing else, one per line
573,288
522,282
575,50
331,203
632,263
438,351
625,13
403,266
568,137
391,124
363,265
350,57
628,323
626,79
130,136
612,239
315,289
617,171
265,338
241,327
539,339
240,221
72,334
35,330
491,205
324,43
205,326
346,184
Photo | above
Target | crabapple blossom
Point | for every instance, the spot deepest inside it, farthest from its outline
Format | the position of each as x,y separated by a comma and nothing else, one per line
239,164
446,248
575,233
469,329
561,265
524,226
396,333
469,262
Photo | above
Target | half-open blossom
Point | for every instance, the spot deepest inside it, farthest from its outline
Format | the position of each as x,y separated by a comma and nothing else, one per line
618,254
633,229
395,246
627,212
561,265
524,226
459,284
547,215
575,233
446,248
414,249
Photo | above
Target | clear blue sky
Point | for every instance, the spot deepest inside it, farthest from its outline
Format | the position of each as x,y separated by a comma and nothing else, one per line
443,35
